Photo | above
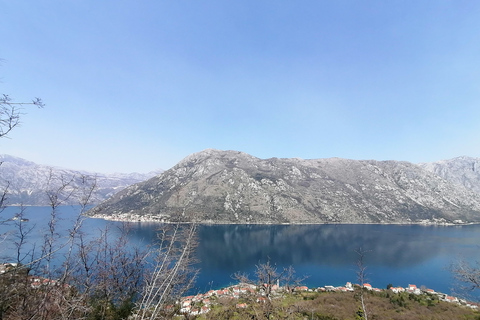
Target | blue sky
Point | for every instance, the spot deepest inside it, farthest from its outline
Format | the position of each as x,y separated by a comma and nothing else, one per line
139,85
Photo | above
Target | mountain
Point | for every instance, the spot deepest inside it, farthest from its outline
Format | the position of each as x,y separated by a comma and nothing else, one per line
28,182
216,186
464,171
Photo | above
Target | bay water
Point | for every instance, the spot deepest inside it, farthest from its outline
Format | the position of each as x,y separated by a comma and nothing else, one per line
395,254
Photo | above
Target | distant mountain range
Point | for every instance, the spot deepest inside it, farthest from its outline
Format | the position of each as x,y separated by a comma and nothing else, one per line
29,183
216,186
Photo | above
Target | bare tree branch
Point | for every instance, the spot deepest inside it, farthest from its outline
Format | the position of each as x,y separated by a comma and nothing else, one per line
172,274
269,277
362,278
11,113
467,274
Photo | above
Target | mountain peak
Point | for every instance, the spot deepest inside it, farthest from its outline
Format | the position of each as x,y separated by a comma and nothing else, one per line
5,158
206,154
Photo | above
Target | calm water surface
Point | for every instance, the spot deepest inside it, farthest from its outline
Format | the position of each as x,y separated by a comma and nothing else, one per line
397,254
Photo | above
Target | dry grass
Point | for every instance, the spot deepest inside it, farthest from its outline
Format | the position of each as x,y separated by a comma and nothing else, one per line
341,305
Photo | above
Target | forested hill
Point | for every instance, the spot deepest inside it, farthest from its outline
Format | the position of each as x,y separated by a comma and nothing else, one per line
216,186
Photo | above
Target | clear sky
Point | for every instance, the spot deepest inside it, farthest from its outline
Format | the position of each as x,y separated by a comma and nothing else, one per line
137,85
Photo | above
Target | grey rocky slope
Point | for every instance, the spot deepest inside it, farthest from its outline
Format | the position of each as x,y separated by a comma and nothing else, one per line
215,186
463,171
28,183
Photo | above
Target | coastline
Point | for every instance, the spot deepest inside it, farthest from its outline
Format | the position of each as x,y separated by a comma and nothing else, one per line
149,219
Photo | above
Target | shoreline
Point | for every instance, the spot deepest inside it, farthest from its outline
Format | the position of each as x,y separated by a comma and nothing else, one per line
142,219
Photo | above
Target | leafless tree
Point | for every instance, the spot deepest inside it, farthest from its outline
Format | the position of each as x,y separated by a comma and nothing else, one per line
71,276
267,276
172,273
362,278
40,288
106,272
3,198
11,113
468,276
10,118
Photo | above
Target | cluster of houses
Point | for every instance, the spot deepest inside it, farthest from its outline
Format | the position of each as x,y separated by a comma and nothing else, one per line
412,288
38,282
201,303
35,282
5,266
441,296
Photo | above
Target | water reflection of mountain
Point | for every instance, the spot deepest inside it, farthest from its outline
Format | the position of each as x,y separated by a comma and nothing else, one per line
238,246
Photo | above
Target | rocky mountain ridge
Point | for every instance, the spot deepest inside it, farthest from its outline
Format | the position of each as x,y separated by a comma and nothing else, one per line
216,186
464,171
28,183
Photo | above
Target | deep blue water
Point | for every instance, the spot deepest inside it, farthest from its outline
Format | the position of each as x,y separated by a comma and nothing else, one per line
397,254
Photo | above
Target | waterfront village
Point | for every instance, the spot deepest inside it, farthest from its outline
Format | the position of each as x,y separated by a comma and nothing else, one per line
201,303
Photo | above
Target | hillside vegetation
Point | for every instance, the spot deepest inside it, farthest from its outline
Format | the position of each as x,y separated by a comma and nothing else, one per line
341,306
